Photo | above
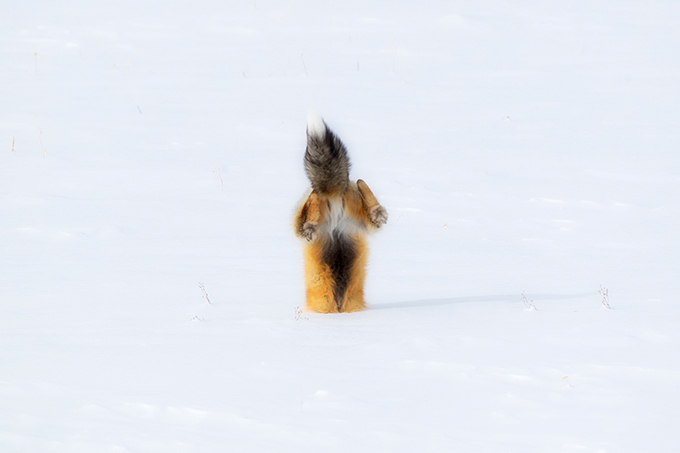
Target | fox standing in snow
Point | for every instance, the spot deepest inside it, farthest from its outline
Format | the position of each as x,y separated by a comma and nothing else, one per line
333,220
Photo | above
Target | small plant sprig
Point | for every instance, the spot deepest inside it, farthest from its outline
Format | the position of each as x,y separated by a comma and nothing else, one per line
528,303
205,294
217,173
604,293
298,314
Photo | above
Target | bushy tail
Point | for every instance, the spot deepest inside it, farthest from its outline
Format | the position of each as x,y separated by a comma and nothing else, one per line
326,159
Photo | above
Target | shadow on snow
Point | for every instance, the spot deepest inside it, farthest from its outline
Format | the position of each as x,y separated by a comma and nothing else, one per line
490,298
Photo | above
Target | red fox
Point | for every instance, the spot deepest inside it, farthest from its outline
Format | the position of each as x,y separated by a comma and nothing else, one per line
333,220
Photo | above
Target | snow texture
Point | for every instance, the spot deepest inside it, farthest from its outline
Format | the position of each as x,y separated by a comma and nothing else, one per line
520,148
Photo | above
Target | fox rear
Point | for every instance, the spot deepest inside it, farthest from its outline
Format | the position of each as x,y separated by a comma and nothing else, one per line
333,220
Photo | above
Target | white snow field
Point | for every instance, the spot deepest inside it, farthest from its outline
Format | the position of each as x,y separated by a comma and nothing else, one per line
532,148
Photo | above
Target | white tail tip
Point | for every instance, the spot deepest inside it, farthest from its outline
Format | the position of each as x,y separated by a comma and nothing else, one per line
315,125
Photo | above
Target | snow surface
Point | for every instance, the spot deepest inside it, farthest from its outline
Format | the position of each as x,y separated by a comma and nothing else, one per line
147,147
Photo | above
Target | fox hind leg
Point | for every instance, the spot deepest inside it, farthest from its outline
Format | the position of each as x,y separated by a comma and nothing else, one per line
374,211
308,218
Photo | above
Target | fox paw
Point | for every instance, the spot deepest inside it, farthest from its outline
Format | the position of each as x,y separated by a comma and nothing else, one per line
378,216
309,230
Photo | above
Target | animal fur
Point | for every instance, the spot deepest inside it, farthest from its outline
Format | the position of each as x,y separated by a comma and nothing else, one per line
333,220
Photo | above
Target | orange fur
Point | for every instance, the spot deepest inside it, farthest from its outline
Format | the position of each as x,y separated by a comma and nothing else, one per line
359,204
354,297
318,281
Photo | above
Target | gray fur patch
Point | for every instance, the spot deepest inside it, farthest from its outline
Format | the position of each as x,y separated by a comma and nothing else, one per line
327,163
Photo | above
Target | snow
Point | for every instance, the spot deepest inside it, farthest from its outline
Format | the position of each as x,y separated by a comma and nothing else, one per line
148,147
